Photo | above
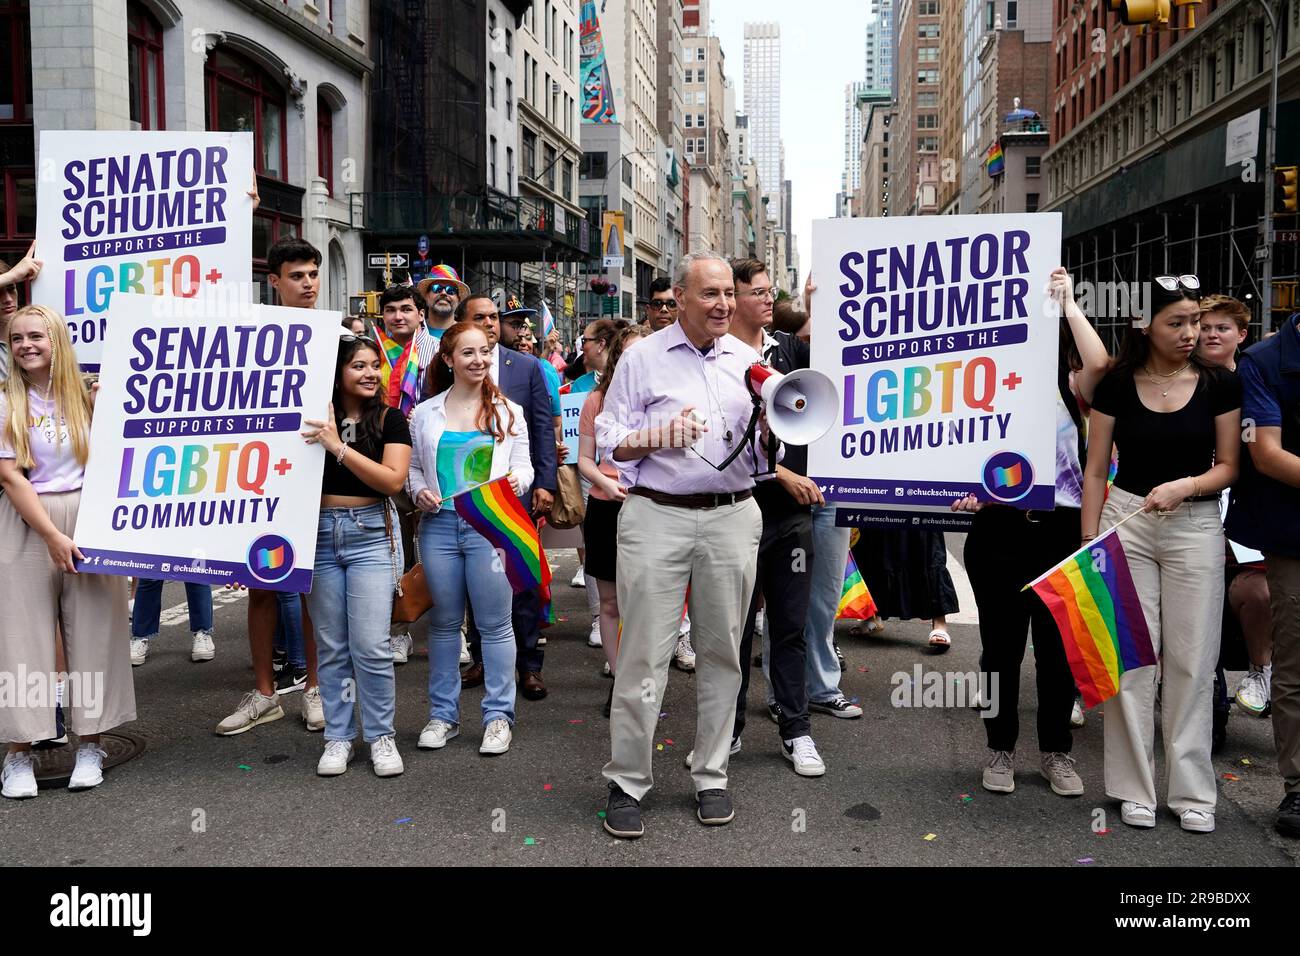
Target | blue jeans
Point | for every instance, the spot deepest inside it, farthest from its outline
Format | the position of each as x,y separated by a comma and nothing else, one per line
460,561
351,604
288,629
148,607
830,555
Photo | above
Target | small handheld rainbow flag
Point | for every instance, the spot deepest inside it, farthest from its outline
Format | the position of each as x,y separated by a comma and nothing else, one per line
548,321
1097,610
855,599
493,510
399,374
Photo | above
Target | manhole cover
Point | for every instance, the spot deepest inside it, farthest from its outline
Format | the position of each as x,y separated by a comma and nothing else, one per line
54,766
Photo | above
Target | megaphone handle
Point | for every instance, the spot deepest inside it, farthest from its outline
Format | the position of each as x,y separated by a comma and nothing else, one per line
748,437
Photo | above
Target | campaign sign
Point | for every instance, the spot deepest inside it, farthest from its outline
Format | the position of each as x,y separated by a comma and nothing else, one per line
197,469
570,413
942,341
153,213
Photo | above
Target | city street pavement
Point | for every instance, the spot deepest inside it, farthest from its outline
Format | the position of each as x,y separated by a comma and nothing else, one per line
894,778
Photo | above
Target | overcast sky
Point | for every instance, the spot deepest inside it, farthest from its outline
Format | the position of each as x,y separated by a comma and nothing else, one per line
823,48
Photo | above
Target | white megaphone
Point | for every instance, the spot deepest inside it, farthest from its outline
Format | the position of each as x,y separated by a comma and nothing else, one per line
800,406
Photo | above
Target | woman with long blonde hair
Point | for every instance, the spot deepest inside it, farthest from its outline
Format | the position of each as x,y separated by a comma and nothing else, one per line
44,444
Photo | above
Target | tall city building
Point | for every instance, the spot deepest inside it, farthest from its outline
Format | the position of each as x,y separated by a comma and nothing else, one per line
851,176
670,116
707,143
763,107
879,74
916,131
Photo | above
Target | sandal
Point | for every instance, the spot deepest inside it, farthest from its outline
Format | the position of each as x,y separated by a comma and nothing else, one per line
872,627
940,640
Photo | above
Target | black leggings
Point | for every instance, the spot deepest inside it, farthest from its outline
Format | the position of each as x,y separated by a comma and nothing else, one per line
1005,550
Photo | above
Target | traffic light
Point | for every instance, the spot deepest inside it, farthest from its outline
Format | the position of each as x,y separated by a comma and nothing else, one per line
1284,190
1141,11
364,303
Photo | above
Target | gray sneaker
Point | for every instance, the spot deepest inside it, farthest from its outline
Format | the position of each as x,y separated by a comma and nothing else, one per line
1000,774
1058,769
254,709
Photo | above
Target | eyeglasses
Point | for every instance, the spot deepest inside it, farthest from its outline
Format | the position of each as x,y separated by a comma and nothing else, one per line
437,287
663,305
585,339
761,294
349,338
517,323
1171,283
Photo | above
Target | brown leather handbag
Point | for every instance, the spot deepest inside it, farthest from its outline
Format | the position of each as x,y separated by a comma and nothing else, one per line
411,597
569,509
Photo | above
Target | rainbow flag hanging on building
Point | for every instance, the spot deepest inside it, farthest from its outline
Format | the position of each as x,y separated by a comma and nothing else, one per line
855,599
1096,607
494,511
995,161
399,373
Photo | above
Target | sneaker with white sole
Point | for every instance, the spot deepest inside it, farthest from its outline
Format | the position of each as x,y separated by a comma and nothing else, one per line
1255,690
1137,814
593,639
313,709
684,654
202,648
290,680
334,761
465,656
839,706
1077,717
605,671
19,776
1058,770
139,650
254,709
579,579
496,737
1196,821
436,733
759,623
802,752
735,749
89,771
1000,774
401,643
384,757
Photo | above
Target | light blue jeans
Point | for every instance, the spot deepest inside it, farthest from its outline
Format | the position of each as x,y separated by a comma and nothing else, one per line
351,604
458,561
830,554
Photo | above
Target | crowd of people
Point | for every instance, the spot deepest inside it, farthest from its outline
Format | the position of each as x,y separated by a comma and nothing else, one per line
692,510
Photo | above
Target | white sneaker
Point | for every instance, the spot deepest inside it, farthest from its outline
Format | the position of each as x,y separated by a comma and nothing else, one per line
496,737
19,776
803,754
1077,716
606,671
401,644
759,622
89,771
313,710
254,709
579,579
593,639
385,758
685,627
1139,815
139,651
1255,690
334,761
202,648
465,656
735,749
684,654
436,733
1197,821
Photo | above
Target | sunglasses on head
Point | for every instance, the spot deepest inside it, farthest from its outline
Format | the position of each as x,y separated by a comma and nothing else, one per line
1189,283
437,287
663,305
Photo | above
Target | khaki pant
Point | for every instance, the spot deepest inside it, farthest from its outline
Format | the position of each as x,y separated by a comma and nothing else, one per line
1284,600
34,598
1177,566
662,550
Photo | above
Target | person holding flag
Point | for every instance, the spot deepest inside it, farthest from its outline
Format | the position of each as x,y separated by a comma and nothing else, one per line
1176,422
465,436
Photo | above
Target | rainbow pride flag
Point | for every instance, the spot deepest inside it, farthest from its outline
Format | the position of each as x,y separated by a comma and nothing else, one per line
855,599
399,373
995,161
1096,608
493,510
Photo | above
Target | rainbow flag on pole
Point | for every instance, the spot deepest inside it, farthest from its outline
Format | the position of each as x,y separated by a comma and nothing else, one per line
493,510
399,373
995,161
548,321
1096,607
855,599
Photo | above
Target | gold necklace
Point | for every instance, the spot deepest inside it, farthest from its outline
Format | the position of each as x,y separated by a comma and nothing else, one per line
1170,375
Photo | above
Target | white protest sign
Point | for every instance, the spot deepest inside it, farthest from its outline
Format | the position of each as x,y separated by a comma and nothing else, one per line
570,412
197,469
153,213
942,342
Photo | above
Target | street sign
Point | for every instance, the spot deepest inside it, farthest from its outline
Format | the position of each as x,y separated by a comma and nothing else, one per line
1261,253
391,260
1287,235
